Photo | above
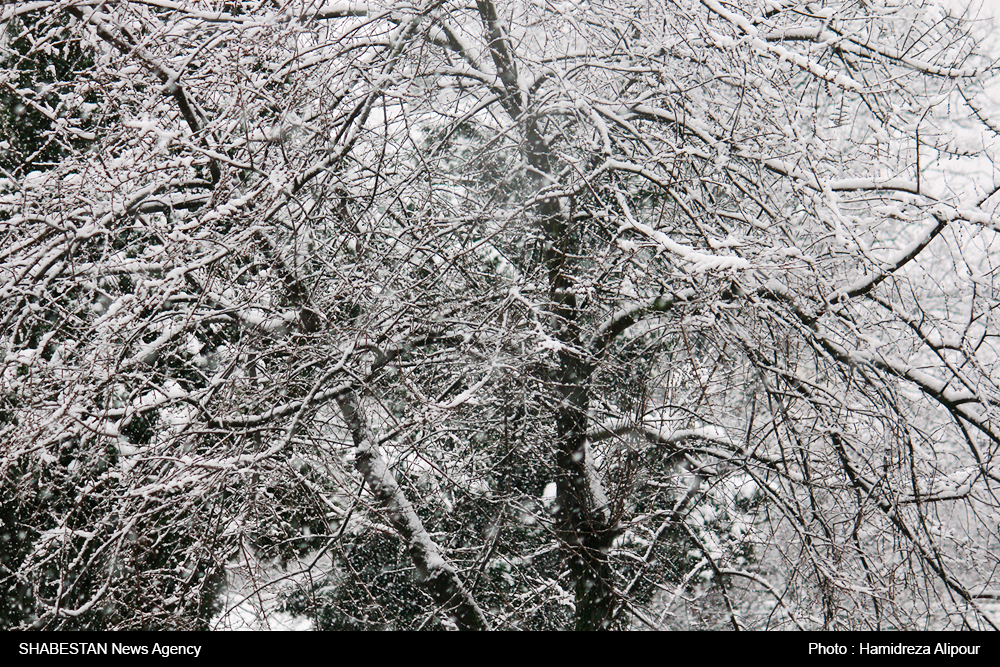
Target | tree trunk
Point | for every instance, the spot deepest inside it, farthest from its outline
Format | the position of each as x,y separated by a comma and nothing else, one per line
437,574
581,514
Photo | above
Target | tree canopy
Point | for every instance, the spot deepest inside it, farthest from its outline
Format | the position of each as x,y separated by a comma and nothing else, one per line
489,315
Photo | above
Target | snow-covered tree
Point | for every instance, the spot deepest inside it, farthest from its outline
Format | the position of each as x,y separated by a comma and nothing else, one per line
520,315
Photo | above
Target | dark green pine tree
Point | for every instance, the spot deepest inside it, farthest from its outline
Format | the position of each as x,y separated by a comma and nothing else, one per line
42,65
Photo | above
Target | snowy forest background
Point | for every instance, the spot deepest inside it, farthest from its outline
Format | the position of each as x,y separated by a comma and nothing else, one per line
526,315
